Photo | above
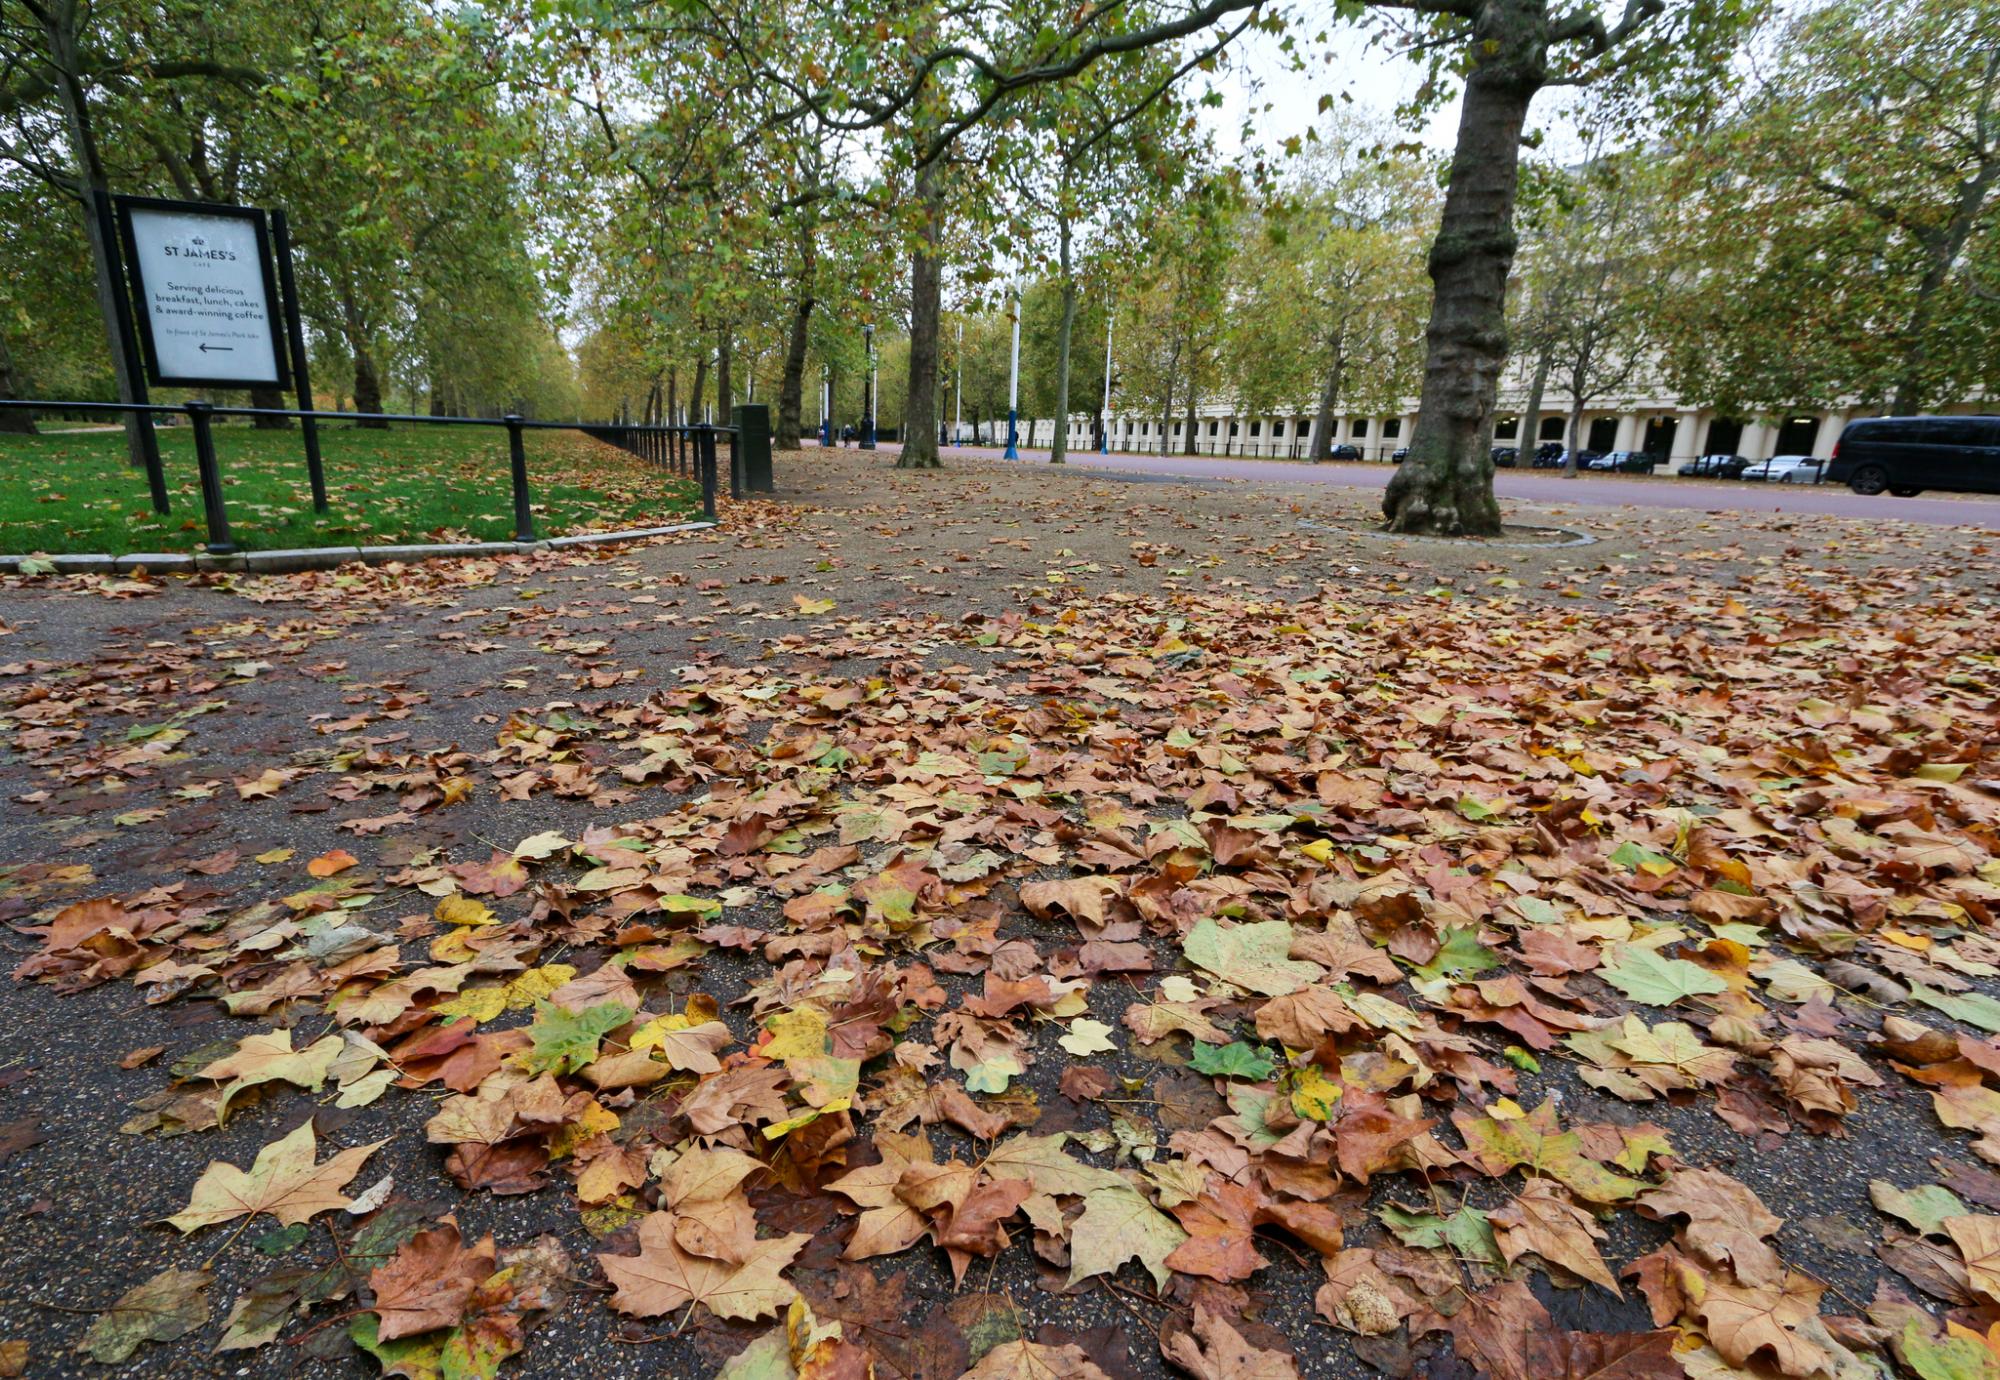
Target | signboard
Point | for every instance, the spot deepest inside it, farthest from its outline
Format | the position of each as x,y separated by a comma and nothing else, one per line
208,300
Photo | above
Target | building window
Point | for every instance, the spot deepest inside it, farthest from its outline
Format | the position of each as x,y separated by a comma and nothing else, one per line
1257,428
1277,428
1360,427
1508,430
1392,428
1214,428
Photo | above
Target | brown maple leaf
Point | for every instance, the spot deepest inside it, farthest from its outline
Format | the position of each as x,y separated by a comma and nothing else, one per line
429,1281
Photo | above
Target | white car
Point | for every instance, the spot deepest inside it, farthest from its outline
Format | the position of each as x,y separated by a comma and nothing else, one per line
1787,469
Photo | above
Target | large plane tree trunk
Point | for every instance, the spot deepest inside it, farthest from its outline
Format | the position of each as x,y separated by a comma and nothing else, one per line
1445,486
920,447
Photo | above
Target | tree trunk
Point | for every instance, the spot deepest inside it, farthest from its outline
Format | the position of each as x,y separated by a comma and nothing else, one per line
920,447
1445,485
14,421
725,392
367,384
699,393
1574,425
272,398
1912,389
673,397
367,380
792,382
61,29
1528,435
1188,443
1059,443
1329,400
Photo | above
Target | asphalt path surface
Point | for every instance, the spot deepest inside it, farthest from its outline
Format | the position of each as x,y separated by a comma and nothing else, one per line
1545,487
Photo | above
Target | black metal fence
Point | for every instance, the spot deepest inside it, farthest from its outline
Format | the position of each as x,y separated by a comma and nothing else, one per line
687,451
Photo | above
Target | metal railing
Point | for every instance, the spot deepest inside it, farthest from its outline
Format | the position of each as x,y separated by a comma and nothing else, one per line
684,450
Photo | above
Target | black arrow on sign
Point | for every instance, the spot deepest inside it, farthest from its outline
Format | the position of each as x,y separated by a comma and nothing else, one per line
225,349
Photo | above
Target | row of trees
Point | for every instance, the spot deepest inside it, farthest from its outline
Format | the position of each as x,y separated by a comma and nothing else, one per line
412,170
659,209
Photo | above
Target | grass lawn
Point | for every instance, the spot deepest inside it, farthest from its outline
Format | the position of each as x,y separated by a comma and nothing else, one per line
75,492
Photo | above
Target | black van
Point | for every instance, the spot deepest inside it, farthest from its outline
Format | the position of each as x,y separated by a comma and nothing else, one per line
1907,455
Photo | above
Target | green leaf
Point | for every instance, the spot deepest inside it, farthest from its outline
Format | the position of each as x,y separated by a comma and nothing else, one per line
1460,956
1643,975
1946,1358
171,1304
1536,1144
1466,1233
283,1239
417,1358
1974,1008
564,1041
1237,1060
1924,1207
1253,957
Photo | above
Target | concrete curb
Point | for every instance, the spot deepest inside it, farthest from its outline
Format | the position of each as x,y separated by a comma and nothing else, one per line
328,557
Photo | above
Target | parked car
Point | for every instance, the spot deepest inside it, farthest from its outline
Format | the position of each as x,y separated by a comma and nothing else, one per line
1715,467
1625,462
1506,457
1400,454
1549,455
1344,453
1906,455
1785,469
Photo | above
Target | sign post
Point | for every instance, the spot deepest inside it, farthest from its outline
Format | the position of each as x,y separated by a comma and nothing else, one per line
281,235
128,348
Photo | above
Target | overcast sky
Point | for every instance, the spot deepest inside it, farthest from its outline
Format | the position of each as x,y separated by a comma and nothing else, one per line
1281,103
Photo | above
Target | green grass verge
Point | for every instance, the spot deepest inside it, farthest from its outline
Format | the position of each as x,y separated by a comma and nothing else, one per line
413,483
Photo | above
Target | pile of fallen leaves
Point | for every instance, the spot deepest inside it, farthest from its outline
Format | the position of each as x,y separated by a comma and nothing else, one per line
1163,949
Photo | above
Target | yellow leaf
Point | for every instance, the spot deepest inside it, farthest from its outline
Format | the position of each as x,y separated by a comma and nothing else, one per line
596,1120
1314,1094
797,1034
1319,850
275,855
463,910
784,1128
1505,1109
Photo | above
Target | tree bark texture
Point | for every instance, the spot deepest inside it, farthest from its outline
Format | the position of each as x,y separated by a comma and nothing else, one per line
1445,486
920,447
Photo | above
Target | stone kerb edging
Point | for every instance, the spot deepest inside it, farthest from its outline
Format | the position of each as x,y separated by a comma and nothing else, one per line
291,559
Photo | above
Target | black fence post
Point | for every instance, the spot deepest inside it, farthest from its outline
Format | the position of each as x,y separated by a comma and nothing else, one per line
295,339
517,459
213,511
705,457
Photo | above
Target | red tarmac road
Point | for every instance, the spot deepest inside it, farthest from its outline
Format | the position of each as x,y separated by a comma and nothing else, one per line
1549,488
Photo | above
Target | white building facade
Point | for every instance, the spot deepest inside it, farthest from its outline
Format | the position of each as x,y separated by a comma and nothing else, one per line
1660,425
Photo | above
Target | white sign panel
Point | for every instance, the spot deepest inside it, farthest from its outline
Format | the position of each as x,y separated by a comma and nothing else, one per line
204,288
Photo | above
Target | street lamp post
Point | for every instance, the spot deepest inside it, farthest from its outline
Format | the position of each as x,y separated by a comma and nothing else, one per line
868,402
1104,426
1014,387
958,389
825,410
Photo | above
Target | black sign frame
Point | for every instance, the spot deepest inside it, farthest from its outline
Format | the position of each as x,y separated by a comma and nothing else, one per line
276,308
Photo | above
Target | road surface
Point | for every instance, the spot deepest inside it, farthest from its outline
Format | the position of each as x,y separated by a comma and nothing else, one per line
1548,487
